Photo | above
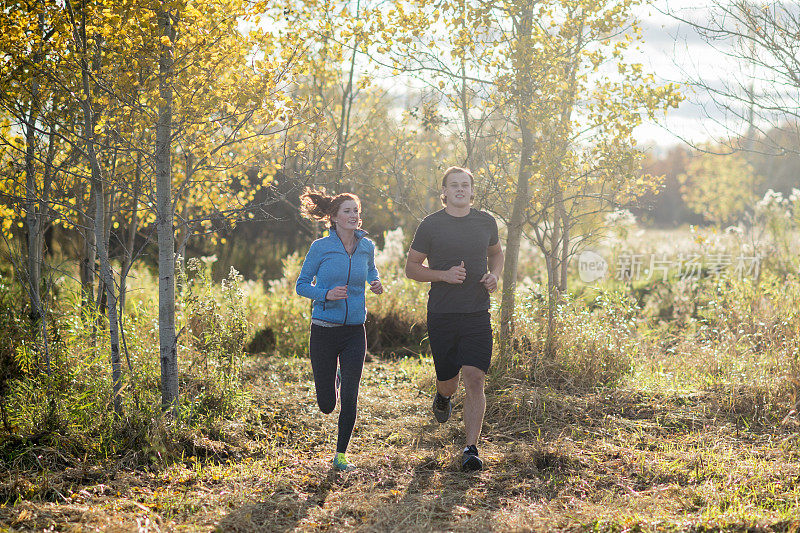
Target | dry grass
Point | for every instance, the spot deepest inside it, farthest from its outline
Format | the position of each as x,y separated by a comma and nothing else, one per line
610,460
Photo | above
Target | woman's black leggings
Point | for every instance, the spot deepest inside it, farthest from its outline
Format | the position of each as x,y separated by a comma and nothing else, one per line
348,345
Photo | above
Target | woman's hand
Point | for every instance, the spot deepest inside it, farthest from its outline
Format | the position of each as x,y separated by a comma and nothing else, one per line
337,293
376,287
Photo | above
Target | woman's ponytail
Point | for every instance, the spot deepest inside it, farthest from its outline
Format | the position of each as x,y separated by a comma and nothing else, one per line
315,204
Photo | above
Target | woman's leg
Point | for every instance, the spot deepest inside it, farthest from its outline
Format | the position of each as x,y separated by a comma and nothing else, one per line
323,347
351,362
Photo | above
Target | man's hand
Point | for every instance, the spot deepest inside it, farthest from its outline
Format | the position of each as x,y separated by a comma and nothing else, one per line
489,281
376,287
455,275
337,293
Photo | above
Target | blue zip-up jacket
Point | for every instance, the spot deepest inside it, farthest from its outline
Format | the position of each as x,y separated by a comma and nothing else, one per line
328,265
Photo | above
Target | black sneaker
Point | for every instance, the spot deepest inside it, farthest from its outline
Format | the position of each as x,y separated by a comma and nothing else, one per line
470,460
442,407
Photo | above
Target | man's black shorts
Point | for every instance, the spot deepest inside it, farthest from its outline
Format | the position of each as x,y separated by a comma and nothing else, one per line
459,339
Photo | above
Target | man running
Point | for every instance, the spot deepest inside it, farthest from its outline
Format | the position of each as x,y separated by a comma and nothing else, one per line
465,261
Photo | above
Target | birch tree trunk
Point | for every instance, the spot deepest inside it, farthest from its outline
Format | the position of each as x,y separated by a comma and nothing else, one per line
515,227
165,215
37,216
565,251
32,219
107,282
522,199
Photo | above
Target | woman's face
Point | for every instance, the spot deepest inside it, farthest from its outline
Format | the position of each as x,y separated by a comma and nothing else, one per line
349,215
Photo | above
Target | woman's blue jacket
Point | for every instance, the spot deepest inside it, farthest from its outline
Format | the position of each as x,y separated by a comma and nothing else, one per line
328,265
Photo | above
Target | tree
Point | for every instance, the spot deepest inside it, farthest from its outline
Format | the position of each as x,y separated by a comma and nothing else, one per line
719,187
30,136
134,84
22,101
219,97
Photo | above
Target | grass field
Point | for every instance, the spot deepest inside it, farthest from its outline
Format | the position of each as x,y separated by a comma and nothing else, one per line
616,460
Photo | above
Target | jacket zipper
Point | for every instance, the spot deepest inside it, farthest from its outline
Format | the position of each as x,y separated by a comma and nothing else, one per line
349,267
350,264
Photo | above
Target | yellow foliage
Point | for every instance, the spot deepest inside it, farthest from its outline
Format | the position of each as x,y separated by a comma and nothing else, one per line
719,187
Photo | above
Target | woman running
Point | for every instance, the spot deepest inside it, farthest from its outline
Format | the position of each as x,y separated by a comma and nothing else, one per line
334,274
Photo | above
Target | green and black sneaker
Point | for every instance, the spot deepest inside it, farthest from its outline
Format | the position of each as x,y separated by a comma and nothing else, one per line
340,463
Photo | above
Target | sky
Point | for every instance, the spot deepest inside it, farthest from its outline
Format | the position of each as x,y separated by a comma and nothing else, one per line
674,52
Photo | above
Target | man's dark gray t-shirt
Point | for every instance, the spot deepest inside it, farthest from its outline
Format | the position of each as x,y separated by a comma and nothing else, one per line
448,240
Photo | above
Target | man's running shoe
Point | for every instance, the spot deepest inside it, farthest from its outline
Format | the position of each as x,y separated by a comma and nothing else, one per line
470,460
340,463
442,407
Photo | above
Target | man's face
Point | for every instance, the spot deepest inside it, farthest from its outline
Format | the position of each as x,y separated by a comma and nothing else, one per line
458,190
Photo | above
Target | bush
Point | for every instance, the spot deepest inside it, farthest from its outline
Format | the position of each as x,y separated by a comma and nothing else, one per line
396,322
16,335
215,318
595,344
70,408
70,405
287,314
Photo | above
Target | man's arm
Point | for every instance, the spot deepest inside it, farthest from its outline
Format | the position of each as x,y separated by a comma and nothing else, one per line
495,262
496,259
418,272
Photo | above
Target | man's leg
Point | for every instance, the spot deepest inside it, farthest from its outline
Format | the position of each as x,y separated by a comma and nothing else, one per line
447,388
475,349
474,402
444,347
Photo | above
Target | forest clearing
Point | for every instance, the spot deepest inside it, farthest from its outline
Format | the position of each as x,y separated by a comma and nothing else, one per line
399,265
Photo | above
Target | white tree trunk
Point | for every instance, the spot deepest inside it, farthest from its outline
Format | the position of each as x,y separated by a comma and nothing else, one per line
166,234
34,224
33,220
519,212
107,277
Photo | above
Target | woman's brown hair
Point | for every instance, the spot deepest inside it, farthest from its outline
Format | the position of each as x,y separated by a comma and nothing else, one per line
317,205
